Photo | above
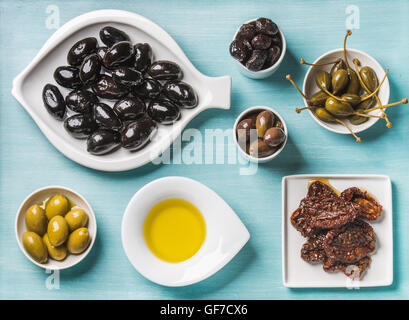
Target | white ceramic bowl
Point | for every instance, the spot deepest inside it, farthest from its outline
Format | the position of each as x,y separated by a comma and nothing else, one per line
262,74
225,233
28,85
243,116
37,197
310,87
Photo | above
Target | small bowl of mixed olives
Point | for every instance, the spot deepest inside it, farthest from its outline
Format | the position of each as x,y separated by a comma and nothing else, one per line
55,228
258,47
260,134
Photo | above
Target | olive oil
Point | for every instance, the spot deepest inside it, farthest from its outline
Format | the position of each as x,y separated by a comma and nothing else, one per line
174,230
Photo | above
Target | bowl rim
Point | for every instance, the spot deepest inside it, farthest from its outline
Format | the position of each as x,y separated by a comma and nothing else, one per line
241,116
277,63
90,213
358,128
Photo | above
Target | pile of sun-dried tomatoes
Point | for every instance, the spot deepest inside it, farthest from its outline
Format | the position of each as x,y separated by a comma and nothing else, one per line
337,235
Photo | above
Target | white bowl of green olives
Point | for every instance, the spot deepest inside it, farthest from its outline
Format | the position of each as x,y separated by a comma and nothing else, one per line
260,134
310,88
55,228
258,47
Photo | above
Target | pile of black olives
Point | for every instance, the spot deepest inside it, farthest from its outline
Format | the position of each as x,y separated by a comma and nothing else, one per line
258,44
260,133
144,93
346,93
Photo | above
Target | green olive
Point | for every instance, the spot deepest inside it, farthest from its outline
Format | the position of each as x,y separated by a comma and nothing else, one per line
264,120
354,86
318,99
57,231
339,81
337,66
369,78
35,246
323,80
76,218
57,253
57,205
352,99
356,120
324,115
36,219
338,108
78,241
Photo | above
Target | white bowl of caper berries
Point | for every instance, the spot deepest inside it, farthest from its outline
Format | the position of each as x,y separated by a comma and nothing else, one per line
55,228
260,134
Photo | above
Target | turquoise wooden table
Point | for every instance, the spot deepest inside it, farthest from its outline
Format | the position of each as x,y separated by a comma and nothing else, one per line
204,29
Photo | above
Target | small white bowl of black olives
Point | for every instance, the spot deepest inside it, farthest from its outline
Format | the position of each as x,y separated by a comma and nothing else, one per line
55,228
260,134
258,47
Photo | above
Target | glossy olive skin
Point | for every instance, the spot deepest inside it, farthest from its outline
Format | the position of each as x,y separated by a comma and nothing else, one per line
57,231
81,100
163,111
257,60
274,137
57,205
323,80
119,53
105,117
101,52
36,220
80,126
143,56
338,108
129,108
35,246
246,125
181,94
76,218
68,77
339,80
260,149
78,241
324,115
127,76
138,133
107,88
54,101
165,70
103,141
90,68
318,99
110,35
264,120
149,89
80,50
57,253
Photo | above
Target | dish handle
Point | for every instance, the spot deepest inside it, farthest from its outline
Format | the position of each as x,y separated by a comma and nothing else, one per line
219,89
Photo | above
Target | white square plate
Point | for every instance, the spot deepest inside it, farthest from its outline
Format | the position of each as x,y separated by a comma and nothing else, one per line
299,274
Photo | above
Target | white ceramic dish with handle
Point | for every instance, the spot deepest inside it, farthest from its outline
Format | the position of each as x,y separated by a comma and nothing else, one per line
28,85
299,274
38,197
310,87
225,233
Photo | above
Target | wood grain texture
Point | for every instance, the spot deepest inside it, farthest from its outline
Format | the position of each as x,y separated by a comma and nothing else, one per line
204,29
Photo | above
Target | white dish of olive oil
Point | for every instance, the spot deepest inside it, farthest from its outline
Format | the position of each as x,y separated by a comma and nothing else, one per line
176,232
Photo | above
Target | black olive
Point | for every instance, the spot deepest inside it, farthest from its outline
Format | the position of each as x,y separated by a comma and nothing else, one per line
90,68
68,77
80,126
103,141
81,49
273,55
105,117
247,31
101,52
165,70
143,56
81,100
119,53
257,60
138,133
54,101
107,88
126,76
164,111
181,93
110,35
149,89
266,26
129,108
261,42
238,50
